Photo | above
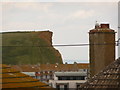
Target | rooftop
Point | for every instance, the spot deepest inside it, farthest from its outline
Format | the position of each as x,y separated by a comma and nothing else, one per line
107,78
50,67
11,78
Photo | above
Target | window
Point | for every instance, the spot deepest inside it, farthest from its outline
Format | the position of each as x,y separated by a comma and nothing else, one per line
38,77
65,87
58,87
41,72
51,77
46,72
51,72
44,77
48,77
77,86
71,78
84,70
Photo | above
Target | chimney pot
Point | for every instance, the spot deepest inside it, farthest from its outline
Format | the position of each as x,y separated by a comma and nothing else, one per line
104,25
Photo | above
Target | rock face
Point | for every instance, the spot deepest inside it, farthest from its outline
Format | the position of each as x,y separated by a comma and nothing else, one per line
29,48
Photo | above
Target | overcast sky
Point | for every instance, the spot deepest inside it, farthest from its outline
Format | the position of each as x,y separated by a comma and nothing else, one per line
69,21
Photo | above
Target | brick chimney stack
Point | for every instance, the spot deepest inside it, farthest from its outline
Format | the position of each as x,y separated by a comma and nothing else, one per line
102,47
105,26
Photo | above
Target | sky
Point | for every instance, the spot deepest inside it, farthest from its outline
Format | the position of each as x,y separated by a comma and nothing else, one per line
69,20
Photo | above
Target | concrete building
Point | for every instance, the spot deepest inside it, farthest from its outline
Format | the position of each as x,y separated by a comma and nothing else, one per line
102,47
68,80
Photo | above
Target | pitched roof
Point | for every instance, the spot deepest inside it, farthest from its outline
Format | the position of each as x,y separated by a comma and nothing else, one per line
10,78
107,78
50,67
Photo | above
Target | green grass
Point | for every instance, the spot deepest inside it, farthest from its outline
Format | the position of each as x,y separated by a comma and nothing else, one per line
27,48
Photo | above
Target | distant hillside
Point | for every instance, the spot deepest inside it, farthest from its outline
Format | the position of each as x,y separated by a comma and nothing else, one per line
29,48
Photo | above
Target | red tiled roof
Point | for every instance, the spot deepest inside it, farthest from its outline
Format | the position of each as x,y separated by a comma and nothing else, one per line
50,67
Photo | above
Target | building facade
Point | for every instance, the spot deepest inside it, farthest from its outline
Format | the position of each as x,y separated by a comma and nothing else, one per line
68,80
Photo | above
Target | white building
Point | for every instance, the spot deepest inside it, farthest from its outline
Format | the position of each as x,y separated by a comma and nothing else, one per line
66,80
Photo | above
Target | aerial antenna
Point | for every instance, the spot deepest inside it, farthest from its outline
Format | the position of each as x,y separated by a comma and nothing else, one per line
117,44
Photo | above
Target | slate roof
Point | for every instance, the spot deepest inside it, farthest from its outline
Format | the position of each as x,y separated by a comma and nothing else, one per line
107,78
